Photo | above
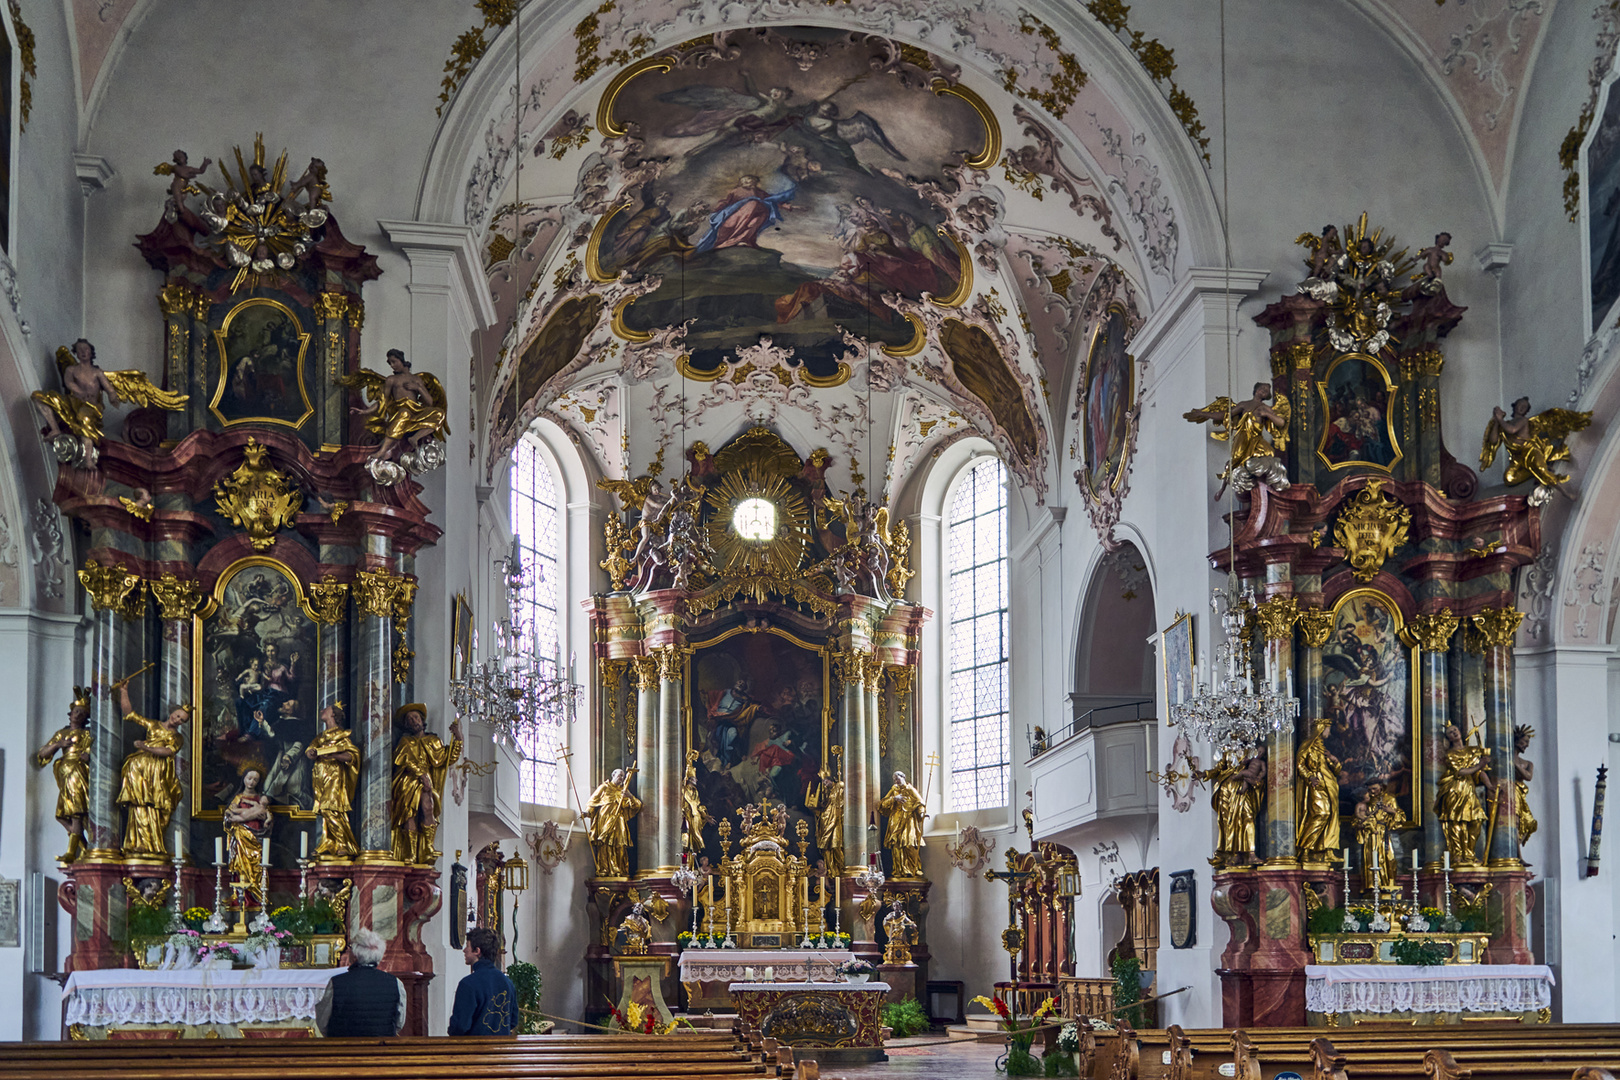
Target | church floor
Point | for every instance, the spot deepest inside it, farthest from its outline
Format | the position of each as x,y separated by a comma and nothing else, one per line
927,1056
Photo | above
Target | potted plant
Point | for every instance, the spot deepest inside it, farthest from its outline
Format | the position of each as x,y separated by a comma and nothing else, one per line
218,955
856,971
262,948
1062,1062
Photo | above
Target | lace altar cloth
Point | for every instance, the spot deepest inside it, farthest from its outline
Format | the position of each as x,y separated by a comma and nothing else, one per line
1452,988
787,965
197,996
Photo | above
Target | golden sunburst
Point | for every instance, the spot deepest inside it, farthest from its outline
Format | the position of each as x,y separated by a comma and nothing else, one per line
778,554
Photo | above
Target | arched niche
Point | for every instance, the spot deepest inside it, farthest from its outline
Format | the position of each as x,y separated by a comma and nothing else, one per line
1114,656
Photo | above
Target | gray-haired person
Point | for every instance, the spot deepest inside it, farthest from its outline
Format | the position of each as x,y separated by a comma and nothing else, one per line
362,1002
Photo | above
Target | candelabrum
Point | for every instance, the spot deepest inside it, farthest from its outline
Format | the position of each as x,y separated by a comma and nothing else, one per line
1415,922
686,879
517,690
1446,886
729,943
1230,713
807,942
216,922
303,880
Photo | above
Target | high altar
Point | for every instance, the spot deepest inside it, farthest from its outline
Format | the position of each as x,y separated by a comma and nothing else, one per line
756,670
1381,591
252,541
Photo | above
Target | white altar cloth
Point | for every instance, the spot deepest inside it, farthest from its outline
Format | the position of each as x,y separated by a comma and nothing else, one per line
126,996
787,965
1447,988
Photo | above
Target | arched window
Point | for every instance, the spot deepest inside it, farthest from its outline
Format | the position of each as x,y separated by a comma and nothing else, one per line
977,637
535,523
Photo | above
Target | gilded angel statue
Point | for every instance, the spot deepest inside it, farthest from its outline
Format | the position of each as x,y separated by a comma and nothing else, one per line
1534,444
406,408
1258,432
73,416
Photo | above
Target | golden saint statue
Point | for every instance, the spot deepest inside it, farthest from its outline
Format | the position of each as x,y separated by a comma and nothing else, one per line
609,813
335,774
420,763
1458,805
1523,772
72,772
1533,443
1238,787
247,821
1378,818
1317,798
405,407
695,814
827,800
150,787
903,806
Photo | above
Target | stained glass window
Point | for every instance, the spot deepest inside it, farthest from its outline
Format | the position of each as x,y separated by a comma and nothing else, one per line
977,610
535,523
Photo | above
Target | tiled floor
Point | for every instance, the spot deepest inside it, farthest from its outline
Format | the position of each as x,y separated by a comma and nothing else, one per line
928,1058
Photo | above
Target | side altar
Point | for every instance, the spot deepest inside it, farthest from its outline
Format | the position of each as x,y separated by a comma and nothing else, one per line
754,733
1371,604
248,541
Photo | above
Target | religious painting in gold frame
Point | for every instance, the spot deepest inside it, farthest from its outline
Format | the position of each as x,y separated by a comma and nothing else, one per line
1371,694
262,346
1358,414
461,635
759,717
1108,393
1176,658
256,654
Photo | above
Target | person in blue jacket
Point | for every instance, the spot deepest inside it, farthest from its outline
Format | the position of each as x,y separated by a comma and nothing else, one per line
486,1000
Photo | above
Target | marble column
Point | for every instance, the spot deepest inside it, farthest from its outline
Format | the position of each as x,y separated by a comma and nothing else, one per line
177,602
665,855
1315,626
849,671
117,641
872,679
1276,618
649,710
1432,635
1497,627
373,715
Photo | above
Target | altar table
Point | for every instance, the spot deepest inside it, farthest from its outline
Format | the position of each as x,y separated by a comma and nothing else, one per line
1444,994
702,969
832,1023
194,1004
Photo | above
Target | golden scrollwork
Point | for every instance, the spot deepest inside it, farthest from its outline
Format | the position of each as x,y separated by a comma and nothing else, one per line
1433,631
330,305
759,588
1277,617
329,600
113,588
620,543
899,545
375,591
872,673
1370,528
258,497
1497,626
178,299
849,666
177,598
671,660
646,672
1317,626
611,674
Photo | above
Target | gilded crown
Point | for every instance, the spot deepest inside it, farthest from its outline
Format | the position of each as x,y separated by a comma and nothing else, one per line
82,696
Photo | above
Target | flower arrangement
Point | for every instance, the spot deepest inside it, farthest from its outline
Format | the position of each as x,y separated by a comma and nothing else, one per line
1062,1062
1018,1061
856,967
687,940
194,918
212,951
268,935
642,1020
1418,953
185,939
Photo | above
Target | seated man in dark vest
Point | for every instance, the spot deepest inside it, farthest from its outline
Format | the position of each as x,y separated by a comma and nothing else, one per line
486,1001
362,1002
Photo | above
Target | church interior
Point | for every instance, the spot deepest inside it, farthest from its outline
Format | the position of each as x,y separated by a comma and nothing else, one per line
1060,626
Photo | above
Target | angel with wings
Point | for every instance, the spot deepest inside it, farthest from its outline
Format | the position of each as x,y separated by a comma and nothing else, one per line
723,114
76,411
405,407
1533,443
1258,432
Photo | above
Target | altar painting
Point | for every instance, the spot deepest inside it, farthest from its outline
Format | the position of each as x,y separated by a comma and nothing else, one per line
1357,396
1366,677
261,347
787,206
758,722
1603,209
256,651
1109,390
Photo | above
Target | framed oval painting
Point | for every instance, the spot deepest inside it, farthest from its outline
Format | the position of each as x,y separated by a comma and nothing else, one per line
1109,389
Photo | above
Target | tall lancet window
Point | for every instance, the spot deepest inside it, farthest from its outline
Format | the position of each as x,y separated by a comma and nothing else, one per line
977,637
535,523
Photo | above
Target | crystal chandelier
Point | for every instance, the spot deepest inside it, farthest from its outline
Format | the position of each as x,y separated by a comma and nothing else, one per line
1230,713
515,690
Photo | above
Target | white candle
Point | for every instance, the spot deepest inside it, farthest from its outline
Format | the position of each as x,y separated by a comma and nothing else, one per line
1346,857
264,852
180,843
837,884
1414,862
1447,857
1375,860
1290,683
219,851
303,845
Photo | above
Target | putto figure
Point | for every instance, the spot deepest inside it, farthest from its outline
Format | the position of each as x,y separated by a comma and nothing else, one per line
1534,445
72,772
1258,432
73,417
609,813
421,761
406,409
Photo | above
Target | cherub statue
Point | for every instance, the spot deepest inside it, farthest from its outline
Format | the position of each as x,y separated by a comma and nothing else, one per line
1248,425
73,417
1534,444
184,173
406,408
313,186
1426,281
1325,251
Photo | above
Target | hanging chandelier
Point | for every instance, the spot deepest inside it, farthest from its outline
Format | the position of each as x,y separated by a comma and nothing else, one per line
1230,713
515,690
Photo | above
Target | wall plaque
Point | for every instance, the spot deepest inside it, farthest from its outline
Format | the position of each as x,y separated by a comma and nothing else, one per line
1183,912
10,913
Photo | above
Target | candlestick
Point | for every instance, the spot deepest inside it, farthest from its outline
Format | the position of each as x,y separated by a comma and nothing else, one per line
176,922
303,879
216,921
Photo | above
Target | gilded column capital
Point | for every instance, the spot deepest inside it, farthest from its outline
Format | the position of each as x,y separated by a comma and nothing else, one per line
177,598
902,678
178,299
1433,631
329,600
1498,625
849,666
330,305
375,591
671,662
113,588
1277,616
610,671
404,597
646,672
1317,626
872,670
